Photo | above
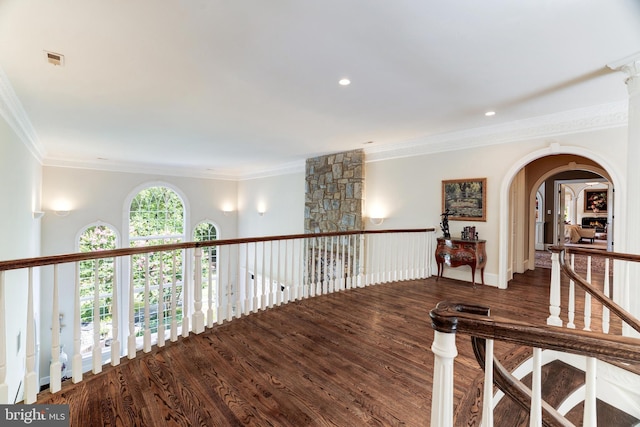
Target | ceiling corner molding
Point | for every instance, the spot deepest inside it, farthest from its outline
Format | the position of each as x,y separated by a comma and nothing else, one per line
13,113
284,169
580,120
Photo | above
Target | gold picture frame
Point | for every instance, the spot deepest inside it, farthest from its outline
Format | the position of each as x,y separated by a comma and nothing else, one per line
595,201
466,199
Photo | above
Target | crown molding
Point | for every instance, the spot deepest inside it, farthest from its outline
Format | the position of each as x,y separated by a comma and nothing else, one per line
605,116
141,168
13,113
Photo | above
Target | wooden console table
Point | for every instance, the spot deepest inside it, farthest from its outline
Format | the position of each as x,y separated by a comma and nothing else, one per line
457,252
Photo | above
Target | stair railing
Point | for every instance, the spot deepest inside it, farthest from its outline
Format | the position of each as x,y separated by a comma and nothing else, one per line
451,318
168,291
608,285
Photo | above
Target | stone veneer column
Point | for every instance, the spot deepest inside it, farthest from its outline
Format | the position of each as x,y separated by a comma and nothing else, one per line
333,192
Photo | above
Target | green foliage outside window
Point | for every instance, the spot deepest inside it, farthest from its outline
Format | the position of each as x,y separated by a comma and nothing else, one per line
96,238
156,217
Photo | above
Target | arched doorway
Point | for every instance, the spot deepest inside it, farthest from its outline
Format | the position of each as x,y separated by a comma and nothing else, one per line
518,197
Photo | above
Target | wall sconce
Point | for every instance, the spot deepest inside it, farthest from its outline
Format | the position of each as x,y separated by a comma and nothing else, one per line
61,213
37,214
262,208
226,211
376,221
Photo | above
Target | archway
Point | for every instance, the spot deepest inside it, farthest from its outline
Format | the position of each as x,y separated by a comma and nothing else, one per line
594,161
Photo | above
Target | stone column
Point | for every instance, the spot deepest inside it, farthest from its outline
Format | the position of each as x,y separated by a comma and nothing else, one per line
631,222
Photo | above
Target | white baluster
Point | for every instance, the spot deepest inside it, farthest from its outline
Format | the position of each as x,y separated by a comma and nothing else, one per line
131,339
272,292
229,289
198,315
247,280
146,346
96,356
115,321
30,378
238,293
55,366
160,335
363,275
301,273
487,400
572,297
210,289
278,277
605,309
350,263
220,296
324,269
590,416
185,295
265,290
444,350
173,336
312,280
333,266
287,285
587,299
554,293
256,297
535,416
4,387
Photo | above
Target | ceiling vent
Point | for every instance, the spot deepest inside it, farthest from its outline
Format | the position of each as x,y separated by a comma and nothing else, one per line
54,58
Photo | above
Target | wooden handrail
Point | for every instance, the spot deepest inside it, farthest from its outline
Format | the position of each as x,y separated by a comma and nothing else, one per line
597,252
631,320
112,253
574,341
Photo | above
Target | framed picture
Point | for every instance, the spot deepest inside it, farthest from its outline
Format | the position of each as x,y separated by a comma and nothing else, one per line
595,200
466,199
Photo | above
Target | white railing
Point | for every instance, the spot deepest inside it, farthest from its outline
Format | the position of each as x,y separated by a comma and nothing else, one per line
162,292
599,286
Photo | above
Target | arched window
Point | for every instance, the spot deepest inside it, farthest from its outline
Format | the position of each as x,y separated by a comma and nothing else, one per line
96,272
156,216
206,231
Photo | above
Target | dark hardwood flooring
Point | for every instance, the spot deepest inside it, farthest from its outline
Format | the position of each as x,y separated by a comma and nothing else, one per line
355,358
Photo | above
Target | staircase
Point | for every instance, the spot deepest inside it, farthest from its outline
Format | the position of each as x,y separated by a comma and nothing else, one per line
559,381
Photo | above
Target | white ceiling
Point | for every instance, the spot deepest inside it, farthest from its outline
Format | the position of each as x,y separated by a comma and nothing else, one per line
238,87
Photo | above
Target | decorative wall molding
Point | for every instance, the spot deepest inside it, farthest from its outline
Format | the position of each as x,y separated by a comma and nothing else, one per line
13,113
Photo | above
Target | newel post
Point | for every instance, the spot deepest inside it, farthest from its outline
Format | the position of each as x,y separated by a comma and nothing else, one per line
554,294
445,351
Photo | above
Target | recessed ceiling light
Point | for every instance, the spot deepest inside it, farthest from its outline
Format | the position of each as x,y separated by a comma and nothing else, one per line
490,113
344,82
368,142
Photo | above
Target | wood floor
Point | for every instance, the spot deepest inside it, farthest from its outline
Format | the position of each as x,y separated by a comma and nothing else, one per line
355,358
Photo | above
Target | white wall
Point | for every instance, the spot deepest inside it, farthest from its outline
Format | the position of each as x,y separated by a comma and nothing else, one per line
282,197
20,186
